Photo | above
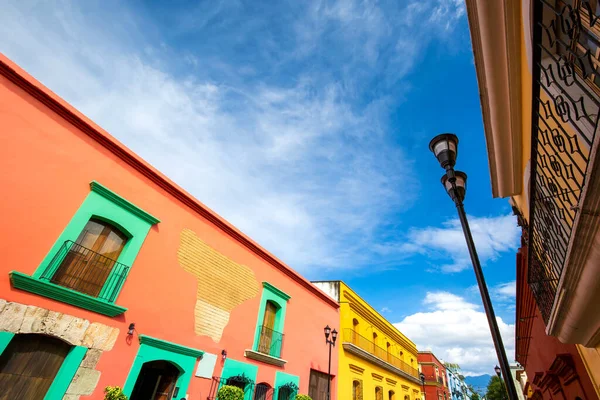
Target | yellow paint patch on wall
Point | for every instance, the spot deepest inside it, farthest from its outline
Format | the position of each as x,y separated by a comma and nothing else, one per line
222,284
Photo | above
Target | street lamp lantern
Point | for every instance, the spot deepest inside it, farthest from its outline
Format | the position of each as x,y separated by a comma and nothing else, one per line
460,185
330,343
498,370
445,148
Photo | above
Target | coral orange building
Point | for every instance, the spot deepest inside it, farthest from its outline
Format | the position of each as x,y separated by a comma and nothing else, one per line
112,275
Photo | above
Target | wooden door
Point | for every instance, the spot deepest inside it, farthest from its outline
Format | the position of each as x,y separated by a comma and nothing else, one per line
29,365
317,385
266,337
91,258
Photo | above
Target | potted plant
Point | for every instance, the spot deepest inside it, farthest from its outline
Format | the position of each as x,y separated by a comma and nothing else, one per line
303,397
230,393
114,393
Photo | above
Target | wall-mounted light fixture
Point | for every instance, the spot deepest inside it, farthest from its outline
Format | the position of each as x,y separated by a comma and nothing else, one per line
131,329
223,354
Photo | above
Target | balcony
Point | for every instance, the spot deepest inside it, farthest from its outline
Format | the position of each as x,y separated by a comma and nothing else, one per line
564,186
366,349
80,269
269,347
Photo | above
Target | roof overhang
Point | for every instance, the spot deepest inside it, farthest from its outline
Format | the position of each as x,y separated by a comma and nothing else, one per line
496,36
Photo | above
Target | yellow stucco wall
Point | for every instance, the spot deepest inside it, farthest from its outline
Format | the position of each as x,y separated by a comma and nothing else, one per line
353,368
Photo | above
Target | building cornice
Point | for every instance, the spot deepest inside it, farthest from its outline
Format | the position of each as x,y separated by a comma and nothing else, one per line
35,89
356,304
496,37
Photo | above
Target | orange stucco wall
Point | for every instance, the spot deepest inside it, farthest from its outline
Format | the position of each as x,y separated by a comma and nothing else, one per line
46,165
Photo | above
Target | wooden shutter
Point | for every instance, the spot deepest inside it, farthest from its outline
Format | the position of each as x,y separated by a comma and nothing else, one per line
29,365
317,386
91,258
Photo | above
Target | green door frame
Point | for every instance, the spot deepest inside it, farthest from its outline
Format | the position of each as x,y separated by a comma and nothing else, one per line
152,349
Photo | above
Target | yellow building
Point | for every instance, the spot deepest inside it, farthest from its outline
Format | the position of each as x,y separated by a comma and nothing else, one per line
376,361
538,68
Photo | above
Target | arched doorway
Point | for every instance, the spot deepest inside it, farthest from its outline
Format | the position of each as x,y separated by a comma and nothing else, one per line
156,381
29,365
263,392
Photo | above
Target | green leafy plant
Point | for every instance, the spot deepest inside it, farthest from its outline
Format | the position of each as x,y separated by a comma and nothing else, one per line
496,389
303,397
230,393
114,393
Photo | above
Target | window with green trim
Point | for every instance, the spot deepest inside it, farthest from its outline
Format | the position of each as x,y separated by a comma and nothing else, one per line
90,261
271,318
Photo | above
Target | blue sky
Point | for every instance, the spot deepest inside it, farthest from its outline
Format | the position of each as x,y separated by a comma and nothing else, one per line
305,124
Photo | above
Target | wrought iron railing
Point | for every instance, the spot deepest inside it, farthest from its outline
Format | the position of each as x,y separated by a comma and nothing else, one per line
565,112
83,270
270,342
440,380
350,336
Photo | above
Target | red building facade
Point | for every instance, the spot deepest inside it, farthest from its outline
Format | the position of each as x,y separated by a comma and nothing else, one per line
436,385
116,276
554,369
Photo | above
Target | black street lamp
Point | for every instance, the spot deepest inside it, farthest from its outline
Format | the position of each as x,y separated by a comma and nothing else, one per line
498,370
422,376
331,344
445,148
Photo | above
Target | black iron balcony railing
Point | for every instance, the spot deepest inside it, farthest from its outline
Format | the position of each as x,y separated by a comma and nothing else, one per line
83,270
270,342
565,110
352,337
440,380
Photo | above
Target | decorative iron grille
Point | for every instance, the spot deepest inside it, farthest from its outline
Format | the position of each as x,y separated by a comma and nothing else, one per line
566,71
270,342
83,270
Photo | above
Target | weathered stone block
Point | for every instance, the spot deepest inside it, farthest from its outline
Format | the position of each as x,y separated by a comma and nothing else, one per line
33,320
100,336
12,316
2,304
84,382
56,324
91,358
76,331
71,397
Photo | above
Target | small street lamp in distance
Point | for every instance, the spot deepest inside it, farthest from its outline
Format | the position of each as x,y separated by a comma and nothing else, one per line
422,376
445,149
331,344
498,371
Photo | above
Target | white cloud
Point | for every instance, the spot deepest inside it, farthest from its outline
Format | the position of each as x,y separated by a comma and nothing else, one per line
492,236
385,310
457,331
306,173
505,291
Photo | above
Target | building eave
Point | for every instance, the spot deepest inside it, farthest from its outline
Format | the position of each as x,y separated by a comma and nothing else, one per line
34,88
496,37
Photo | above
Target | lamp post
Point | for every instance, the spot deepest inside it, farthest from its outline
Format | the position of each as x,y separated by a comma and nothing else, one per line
445,148
422,376
498,370
331,344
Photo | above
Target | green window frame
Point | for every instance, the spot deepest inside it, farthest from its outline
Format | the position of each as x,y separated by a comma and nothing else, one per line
279,298
283,378
104,204
233,367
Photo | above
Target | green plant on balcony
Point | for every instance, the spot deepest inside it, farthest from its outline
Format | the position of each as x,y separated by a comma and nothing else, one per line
114,393
303,397
230,393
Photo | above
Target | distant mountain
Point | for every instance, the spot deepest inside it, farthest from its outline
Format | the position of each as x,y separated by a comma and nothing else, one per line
479,382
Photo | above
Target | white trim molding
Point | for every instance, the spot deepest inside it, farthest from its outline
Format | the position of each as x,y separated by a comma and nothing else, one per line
496,36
